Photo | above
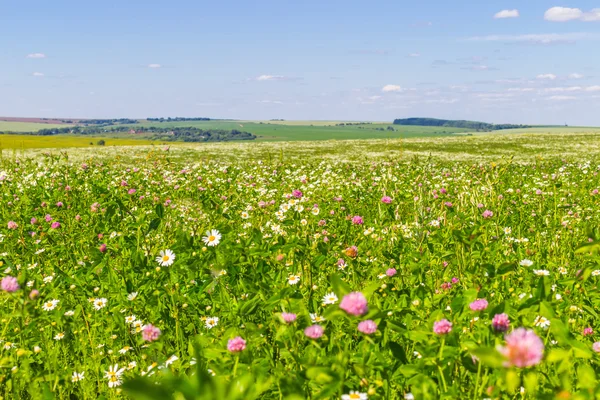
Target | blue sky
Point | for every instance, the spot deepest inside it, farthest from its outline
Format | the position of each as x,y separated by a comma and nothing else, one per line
354,60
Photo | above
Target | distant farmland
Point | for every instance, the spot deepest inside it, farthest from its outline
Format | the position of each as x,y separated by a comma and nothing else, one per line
264,130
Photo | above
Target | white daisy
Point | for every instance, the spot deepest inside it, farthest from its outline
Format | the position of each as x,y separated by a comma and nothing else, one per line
355,396
114,375
211,322
293,279
50,305
541,272
330,298
212,238
542,322
316,318
100,303
526,263
171,360
59,336
130,319
132,296
69,313
165,258
77,376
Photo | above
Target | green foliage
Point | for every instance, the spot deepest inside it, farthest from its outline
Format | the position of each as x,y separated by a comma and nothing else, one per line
533,258
456,124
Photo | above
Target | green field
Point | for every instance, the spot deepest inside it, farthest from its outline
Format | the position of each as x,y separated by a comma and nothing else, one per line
313,130
42,142
271,131
15,126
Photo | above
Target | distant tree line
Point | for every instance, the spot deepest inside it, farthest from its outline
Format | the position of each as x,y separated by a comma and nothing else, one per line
352,123
174,134
169,119
108,121
456,124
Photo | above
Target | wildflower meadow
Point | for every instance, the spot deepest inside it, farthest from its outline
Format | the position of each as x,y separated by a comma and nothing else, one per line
165,277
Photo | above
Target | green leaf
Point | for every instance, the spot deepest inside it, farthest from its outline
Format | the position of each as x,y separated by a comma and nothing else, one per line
143,389
489,356
586,377
398,352
160,210
339,287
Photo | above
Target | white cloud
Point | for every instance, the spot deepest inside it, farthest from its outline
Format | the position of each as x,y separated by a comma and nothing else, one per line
414,55
547,76
564,89
595,88
271,102
37,74
507,14
576,76
270,78
538,38
564,14
154,65
36,55
391,88
528,89
374,97
593,15
562,98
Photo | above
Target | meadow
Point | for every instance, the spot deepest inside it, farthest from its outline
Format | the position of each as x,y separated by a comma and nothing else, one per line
311,130
18,126
64,141
422,268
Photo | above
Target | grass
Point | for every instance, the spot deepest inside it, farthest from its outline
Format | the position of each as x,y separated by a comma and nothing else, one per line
59,141
162,272
16,126
282,131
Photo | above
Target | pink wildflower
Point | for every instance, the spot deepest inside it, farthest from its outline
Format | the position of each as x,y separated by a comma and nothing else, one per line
367,327
479,305
588,331
288,317
390,272
596,347
9,284
314,331
55,225
523,348
354,303
150,333
236,345
386,199
500,322
357,220
487,214
297,194
442,327
12,225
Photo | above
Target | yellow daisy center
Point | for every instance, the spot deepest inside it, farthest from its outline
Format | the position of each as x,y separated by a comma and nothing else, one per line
211,238
355,396
165,258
